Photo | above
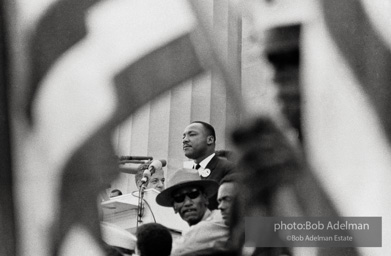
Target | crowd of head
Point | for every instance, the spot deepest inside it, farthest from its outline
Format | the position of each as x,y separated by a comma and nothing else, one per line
189,196
202,196
206,196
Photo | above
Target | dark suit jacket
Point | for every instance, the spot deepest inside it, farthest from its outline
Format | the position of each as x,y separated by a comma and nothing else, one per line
219,167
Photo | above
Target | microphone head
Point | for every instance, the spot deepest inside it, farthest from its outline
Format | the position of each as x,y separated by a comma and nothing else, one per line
146,176
157,164
164,162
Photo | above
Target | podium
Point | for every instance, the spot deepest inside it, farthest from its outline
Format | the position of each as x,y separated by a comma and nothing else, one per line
122,211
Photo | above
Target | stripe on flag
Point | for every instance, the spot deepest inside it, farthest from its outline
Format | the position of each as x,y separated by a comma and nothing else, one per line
104,61
368,56
172,63
7,218
59,29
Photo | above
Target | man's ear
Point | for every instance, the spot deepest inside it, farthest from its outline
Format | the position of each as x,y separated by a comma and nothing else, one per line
175,209
210,139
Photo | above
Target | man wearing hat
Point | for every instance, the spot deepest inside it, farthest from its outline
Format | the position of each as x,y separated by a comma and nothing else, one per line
189,195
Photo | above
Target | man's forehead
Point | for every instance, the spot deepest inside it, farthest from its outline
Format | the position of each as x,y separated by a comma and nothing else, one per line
158,173
194,127
227,188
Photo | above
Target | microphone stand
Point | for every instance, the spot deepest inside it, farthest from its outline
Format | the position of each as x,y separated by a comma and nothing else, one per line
140,206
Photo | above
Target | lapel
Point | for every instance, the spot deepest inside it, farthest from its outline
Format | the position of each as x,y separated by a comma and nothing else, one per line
212,163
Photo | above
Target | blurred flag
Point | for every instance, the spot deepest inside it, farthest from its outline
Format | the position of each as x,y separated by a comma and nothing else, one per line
346,82
361,32
349,167
92,63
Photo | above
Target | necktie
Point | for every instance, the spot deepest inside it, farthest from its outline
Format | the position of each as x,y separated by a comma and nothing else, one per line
197,166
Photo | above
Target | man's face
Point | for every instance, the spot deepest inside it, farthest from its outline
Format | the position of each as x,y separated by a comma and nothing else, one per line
195,141
225,198
190,203
157,180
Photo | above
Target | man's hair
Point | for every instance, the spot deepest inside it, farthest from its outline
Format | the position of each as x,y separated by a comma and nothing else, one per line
209,128
154,239
116,191
231,178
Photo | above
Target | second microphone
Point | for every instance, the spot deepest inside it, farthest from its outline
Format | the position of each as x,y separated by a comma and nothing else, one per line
155,165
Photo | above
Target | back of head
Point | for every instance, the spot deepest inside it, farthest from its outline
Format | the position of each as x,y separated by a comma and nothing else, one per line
115,192
154,239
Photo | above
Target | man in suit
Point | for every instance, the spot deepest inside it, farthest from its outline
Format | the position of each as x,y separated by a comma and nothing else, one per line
199,142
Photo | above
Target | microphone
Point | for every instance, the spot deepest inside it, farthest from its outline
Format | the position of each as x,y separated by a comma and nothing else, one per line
156,164
122,158
131,169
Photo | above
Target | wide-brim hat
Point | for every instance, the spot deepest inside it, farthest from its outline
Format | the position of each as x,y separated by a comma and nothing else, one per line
184,178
